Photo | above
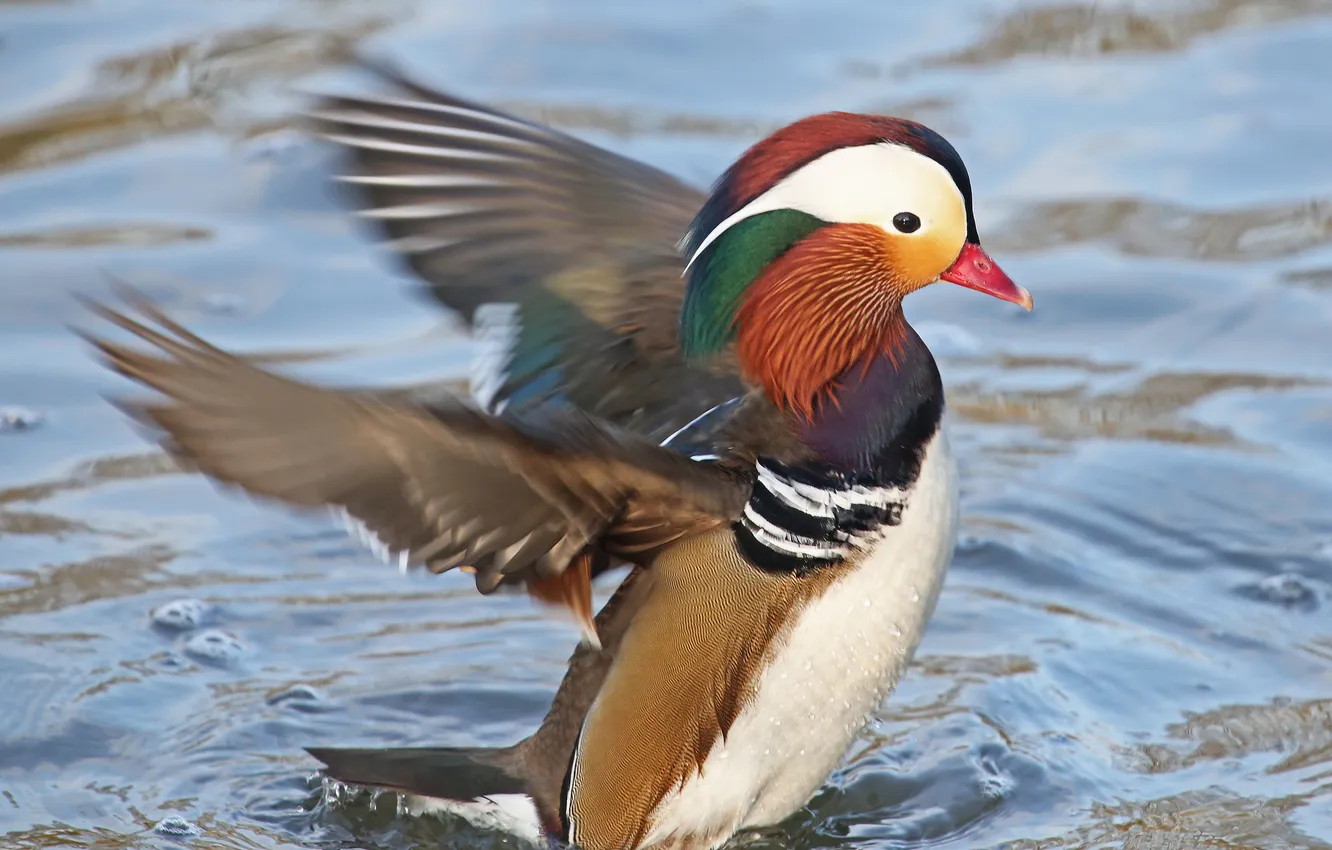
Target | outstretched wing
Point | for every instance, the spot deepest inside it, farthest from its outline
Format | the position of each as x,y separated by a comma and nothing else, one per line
442,485
561,254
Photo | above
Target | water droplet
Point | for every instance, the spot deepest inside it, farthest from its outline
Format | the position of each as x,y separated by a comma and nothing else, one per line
279,144
866,603
897,630
177,827
915,595
224,303
215,647
170,661
182,614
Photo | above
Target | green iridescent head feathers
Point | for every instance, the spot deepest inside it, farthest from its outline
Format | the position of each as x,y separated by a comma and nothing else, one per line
720,275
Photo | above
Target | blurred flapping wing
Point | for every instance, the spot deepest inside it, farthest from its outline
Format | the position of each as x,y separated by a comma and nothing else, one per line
442,484
561,254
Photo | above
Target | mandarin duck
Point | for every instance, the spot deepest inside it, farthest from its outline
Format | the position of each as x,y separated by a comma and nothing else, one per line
742,416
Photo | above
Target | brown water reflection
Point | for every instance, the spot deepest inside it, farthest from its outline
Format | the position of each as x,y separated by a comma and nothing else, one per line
1155,409
1142,228
1093,29
1197,819
1300,732
176,89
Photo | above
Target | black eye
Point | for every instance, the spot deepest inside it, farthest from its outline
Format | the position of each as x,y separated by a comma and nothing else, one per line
907,222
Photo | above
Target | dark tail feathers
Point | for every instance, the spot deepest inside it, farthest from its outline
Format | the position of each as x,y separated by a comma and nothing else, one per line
451,773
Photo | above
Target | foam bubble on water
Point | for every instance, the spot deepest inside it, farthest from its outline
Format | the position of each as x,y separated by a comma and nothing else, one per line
177,827
15,419
1287,589
995,787
994,784
215,647
182,614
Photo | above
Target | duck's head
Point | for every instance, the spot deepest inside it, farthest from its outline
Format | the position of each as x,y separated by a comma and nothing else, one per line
810,241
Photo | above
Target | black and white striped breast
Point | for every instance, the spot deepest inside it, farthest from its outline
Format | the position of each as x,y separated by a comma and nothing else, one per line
801,518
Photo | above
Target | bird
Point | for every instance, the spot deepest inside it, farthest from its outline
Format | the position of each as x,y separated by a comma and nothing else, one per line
717,390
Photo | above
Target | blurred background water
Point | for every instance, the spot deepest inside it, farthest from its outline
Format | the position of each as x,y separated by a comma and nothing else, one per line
1133,648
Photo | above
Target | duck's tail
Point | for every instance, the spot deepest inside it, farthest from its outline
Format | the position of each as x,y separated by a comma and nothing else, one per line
483,786
451,773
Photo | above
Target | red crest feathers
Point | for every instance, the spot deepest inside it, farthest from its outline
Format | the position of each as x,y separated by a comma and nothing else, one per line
798,144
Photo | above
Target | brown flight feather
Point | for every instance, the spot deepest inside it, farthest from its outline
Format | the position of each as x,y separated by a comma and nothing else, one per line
571,590
442,482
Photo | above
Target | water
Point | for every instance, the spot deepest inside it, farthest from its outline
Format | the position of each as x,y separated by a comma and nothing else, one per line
1133,648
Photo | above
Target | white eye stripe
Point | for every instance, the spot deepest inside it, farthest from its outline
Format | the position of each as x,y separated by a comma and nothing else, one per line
864,184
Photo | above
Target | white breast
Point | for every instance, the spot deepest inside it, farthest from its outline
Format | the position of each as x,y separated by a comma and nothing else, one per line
840,658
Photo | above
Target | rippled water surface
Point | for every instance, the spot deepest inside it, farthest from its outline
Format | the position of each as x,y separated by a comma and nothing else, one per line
1134,646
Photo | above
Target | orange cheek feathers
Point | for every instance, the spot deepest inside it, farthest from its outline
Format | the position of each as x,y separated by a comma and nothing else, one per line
823,306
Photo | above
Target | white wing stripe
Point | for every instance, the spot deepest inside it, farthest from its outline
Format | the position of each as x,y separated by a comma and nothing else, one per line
445,109
416,211
386,146
371,121
418,244
422,181
498,326
377,546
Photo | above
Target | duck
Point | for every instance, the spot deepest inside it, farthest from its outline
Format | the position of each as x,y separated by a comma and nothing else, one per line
717,391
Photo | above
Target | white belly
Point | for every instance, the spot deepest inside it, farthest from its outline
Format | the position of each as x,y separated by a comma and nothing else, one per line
840,658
